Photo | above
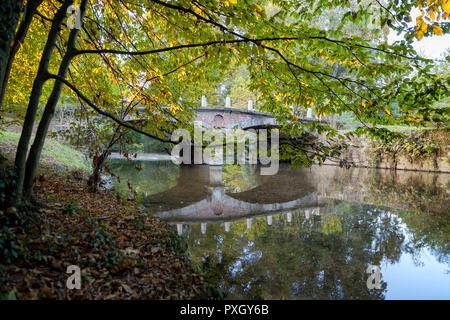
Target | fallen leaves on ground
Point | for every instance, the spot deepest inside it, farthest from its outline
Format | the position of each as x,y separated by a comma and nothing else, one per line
122,251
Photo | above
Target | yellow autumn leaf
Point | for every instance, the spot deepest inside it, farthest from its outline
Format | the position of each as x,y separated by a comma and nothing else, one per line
233,1
419,20
419,35
437,30
424,27
446,6
432,16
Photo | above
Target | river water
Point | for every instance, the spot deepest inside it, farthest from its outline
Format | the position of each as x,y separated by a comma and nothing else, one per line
308,233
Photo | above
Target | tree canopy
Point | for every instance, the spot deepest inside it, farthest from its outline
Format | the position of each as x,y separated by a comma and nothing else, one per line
155,59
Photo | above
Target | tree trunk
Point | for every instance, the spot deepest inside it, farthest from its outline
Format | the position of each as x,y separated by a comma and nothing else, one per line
36,92
9,17
97,164
41,133
30,10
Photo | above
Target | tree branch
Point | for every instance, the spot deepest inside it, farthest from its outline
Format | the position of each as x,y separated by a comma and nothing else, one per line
104,113
194,45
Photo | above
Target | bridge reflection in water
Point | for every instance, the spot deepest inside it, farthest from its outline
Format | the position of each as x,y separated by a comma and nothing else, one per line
202,197
203,194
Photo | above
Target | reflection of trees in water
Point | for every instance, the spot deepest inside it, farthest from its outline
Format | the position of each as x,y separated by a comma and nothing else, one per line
431,231
301,259
412,192
153,177
238,178
426,212
421,197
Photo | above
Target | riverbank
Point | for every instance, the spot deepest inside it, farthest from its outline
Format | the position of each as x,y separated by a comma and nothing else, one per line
122,252
54,153
143,157
428,150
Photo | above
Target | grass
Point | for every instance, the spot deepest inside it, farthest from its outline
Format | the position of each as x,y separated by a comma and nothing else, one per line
53,151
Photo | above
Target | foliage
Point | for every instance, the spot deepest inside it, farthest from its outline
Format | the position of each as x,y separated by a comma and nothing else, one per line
151,61
418,146
236,86
26,65
432,19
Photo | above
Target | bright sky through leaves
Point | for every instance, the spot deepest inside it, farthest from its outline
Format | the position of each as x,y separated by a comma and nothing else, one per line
431,47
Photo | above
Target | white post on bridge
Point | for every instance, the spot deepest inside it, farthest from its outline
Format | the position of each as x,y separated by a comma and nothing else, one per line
203,227
179,228
204,102
289,217
317,211
227,227
309,113
228,102
292,108
269,220
249,223
307,212
251,106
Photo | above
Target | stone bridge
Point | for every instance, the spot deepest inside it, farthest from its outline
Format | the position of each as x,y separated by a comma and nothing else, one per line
229,118
233,118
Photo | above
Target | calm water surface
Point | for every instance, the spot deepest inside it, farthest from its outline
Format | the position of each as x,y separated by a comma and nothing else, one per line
305,233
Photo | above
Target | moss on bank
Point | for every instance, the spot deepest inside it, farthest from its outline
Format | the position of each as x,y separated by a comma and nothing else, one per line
53,153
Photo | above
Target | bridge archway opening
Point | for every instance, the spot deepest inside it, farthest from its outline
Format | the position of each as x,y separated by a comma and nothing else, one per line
218,121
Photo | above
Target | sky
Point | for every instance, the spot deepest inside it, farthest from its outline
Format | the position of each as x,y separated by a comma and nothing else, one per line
431,47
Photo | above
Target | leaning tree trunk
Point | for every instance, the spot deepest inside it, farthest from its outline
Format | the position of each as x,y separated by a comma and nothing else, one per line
36,92
30,10
9,17
97,164
41,133
98,161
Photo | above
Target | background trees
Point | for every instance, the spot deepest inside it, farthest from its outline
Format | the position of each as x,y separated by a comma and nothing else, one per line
9,17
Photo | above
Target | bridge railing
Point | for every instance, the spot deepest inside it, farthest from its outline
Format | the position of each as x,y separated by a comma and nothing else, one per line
308,113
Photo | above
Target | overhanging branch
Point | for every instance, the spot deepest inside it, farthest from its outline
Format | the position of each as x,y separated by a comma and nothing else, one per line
104,113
